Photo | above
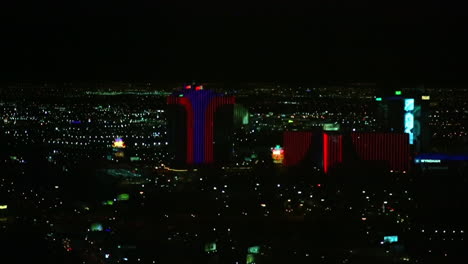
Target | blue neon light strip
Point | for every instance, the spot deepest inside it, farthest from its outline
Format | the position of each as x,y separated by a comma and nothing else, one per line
441,156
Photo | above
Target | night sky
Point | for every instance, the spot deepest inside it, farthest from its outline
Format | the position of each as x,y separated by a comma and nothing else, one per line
329,41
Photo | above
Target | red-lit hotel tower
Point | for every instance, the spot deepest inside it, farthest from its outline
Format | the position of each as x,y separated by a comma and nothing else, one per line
296,146
198,118
391,149
332,150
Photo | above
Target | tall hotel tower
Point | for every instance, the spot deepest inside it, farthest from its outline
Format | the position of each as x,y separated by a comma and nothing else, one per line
200,126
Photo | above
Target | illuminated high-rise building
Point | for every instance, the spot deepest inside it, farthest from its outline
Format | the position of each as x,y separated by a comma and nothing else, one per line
391,149
332,150
328,149
297,145
406,112
200,125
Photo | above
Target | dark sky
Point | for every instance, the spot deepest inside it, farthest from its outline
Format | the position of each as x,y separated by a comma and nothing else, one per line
330,41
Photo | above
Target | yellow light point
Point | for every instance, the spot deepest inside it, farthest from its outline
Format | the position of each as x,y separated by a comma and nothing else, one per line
118,143
3,207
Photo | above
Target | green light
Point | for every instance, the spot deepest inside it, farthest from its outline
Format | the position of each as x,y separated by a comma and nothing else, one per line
245,120
109,202
123,197
250,258
181,95
290,121
331,127
210,247
397,92
96,227
254,250
378,99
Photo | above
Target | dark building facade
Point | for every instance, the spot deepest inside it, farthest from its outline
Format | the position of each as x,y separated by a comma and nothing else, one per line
296,146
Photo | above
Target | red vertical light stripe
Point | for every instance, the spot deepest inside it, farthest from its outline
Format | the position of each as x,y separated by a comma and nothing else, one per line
405,150
331,151
362,142
374,142
341,149
363,146
400,151
381,153
325,152
188,107
370,147
391,141
335,151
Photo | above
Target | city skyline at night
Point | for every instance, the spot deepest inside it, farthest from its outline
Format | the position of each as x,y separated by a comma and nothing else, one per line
153,133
